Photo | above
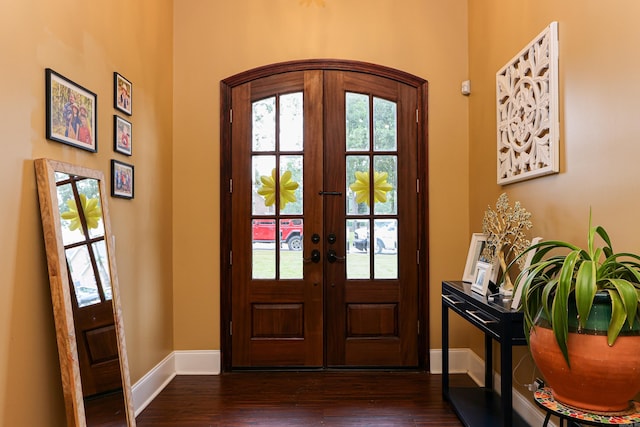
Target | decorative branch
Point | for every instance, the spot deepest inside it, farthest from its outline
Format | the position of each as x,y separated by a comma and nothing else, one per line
505,230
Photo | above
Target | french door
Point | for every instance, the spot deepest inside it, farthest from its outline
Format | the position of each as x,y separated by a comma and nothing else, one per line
324,259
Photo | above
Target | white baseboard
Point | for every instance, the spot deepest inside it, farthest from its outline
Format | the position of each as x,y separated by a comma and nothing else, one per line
199,362
465,361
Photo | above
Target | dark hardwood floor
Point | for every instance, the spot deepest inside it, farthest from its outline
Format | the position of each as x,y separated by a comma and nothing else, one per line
328,398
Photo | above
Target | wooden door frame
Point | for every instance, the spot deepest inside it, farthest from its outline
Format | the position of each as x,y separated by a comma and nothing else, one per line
226,87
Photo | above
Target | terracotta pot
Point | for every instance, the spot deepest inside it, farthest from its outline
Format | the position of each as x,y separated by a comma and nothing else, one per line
601,378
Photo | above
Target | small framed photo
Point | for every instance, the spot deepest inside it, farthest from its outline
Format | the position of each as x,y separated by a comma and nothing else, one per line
478,242
71,112
123,93
483,274
122,135
517,295
121,179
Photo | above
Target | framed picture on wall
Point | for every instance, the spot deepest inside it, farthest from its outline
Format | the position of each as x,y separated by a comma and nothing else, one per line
122,135
121,179
123,94
71,112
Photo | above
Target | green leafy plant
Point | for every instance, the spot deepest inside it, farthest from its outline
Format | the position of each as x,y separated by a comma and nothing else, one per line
560,272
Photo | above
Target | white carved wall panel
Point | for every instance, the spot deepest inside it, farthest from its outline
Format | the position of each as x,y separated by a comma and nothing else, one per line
527,111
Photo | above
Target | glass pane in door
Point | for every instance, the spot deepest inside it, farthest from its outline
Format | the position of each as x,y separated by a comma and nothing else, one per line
290,185
102,264
385,238
385,184
291,122
263,125
357,185
372,187
84,282
263,248
263,226
385,134
357,118
291,232
72,232
277,181
358,261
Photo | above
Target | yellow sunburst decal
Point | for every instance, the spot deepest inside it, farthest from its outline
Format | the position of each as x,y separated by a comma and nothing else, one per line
92,212
287,189
380,187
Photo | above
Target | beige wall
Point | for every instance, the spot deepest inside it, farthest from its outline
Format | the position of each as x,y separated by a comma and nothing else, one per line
599,110
599,59
86,42
167,237
213,41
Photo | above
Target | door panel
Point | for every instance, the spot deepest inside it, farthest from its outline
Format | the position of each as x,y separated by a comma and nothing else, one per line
324,204
277,296
376,167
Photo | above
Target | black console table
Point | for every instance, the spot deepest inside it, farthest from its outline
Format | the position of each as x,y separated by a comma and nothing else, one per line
481,406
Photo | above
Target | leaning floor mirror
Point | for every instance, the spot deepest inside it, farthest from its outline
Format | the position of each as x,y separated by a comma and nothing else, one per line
85,295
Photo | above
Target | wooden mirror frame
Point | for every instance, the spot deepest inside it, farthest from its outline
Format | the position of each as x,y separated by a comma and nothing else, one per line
61,291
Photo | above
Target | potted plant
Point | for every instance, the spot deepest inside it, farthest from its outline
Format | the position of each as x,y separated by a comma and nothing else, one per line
581,309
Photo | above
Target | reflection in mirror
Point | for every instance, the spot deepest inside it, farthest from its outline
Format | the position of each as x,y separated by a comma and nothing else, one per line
85,296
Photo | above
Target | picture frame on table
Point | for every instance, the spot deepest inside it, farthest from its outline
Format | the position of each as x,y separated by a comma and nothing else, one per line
122,182
122,94
71,112
517,295
483,274
477,245
122,135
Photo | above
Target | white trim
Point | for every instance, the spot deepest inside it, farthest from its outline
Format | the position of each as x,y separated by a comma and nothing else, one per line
458,361
465,361
198,362
152,383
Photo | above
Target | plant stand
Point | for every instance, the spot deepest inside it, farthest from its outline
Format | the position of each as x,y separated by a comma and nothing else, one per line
576,417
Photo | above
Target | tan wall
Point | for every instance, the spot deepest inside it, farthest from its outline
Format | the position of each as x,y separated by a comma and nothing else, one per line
86,42
214,40
599,109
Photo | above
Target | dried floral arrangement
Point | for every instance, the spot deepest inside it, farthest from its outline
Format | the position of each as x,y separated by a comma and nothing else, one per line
506,239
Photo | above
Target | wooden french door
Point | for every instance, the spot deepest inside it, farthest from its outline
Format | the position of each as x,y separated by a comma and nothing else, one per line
325,221
89,283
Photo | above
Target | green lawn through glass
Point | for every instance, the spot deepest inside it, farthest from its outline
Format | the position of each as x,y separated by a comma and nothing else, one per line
291,264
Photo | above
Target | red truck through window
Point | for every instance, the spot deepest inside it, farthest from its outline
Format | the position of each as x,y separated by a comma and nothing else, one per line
264,231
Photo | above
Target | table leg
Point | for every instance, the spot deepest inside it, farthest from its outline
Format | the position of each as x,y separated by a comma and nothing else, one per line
488,362
445,352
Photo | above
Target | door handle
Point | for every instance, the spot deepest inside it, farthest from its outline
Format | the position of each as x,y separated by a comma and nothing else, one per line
332,256
315,257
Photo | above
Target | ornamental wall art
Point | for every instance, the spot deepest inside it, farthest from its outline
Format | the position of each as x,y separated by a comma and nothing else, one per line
527,111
